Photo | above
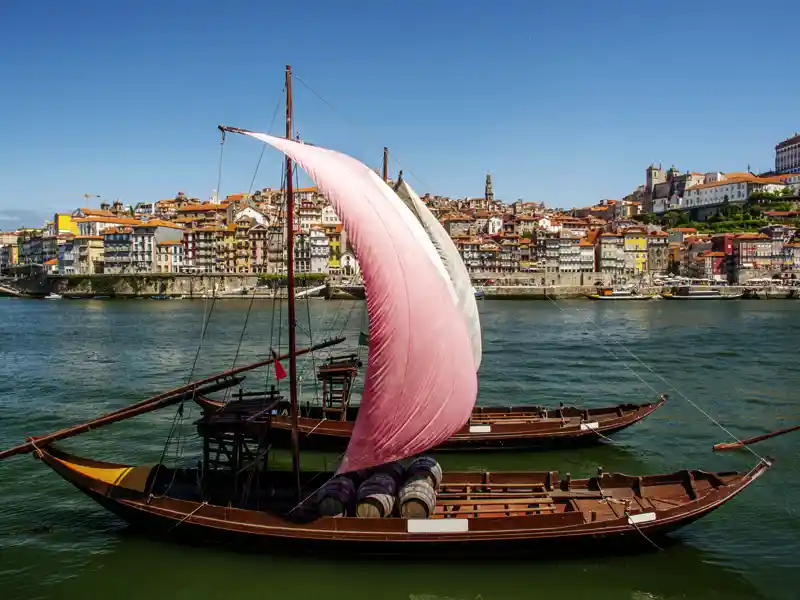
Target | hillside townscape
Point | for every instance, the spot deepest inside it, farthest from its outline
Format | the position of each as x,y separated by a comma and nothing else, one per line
721,226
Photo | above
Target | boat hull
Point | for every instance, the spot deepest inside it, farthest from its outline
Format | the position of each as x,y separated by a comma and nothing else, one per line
698,297
618,298
490,429
124,491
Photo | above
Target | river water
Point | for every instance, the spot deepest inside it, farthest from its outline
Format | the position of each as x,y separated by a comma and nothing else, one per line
62,362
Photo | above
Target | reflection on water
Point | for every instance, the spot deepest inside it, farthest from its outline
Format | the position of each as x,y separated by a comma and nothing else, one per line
65,362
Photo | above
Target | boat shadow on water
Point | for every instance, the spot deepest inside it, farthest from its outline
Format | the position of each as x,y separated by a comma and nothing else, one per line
679,571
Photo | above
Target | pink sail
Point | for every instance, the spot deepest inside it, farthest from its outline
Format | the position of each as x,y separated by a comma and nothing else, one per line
420,385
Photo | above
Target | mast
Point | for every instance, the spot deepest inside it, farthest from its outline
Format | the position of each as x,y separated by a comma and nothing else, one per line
385,163
290,290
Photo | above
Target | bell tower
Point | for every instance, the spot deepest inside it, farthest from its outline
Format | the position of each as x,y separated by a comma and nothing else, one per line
488,194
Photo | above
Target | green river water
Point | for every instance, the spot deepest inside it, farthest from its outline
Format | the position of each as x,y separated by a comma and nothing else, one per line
63,362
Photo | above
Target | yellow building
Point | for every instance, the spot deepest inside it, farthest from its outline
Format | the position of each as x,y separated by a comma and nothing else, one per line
90,254
334,233
226,249
242,244
63,223
636,250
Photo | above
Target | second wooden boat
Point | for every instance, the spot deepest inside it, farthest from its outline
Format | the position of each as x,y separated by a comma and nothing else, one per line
329,425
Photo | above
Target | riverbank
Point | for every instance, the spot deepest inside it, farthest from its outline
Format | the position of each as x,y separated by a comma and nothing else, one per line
247,286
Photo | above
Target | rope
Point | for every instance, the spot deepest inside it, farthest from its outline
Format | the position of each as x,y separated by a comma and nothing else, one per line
189,516
642,533
667,383
392,157
264,147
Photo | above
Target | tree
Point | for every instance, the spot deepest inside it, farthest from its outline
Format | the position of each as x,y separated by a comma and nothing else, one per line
672,218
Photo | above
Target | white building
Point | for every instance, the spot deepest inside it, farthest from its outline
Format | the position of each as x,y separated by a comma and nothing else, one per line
320,250
494,225
329,216
787,155
144,251
736,187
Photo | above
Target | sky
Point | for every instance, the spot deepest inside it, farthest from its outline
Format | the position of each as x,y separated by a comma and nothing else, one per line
565,103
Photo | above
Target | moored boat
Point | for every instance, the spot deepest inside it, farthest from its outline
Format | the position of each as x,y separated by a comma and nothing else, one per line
53,296
472,512
329,424
619,293
699,293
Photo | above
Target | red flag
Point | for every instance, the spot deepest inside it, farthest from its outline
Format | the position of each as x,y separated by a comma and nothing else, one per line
280,372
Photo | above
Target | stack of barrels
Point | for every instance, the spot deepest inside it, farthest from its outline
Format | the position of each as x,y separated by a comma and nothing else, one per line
384,491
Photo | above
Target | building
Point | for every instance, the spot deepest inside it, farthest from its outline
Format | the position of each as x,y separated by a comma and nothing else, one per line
203,214
611,253
787,155
752,257
88,254
302,252
169,256
63,223
95,224
117,247
791,257
199,245
635,240
258,248
144,240
225,249
657,252
67,258
709,265
51,266
320,250
244,252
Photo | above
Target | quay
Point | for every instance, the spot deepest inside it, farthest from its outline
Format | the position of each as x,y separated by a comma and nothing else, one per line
247,286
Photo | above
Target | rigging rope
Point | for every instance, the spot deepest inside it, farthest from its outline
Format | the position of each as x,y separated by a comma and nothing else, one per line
663,380
393,157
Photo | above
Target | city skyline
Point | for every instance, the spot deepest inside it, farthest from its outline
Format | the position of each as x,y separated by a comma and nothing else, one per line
562,105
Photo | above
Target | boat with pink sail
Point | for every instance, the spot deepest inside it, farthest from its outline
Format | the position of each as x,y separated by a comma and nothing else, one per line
420,389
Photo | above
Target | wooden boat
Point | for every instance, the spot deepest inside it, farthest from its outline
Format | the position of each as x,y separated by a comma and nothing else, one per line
475,513
420,390
695,293
623,293
329,425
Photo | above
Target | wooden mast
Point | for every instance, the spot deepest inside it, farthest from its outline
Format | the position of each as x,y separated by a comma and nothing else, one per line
290,289
385,164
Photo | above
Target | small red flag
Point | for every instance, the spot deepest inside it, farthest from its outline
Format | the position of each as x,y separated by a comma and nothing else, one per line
280,372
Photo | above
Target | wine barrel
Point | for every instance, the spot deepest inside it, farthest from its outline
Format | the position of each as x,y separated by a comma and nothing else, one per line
336,496
427,466
417,497
395,470
375,497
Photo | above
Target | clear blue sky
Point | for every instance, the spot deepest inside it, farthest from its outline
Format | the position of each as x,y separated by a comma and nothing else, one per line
562,102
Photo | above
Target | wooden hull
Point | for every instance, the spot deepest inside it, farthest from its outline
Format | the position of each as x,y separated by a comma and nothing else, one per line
696,297
599,513
599,297
515,428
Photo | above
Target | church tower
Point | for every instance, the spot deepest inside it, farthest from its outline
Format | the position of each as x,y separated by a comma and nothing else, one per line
488,194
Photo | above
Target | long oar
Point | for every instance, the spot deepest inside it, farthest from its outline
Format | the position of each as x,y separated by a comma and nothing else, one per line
753,440
218,382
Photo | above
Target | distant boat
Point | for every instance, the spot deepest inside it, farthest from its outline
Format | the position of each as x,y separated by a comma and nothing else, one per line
53,296
479,294
622,293
691,293
100,298
160,297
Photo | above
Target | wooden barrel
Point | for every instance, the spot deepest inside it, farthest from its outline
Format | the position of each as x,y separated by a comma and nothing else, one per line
427,466
375,497
417,497
334,498
395,470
